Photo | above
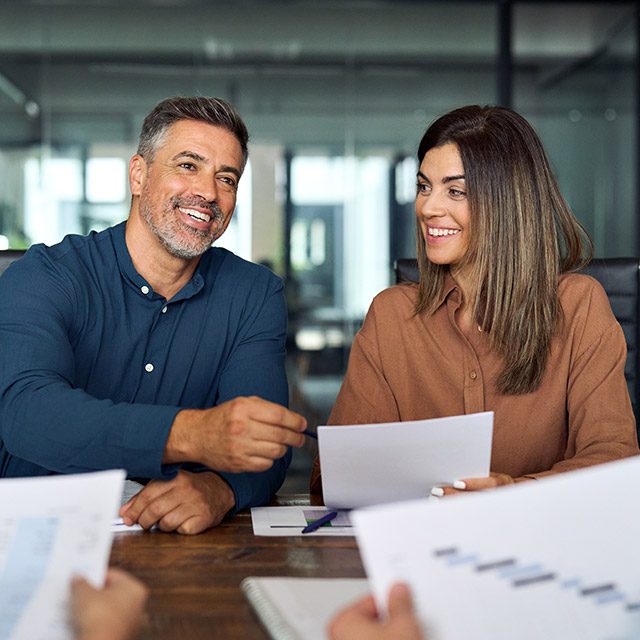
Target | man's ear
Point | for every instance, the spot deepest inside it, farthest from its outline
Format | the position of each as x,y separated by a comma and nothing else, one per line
137,174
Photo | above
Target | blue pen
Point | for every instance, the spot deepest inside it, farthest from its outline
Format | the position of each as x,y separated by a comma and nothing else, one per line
316,524
311,434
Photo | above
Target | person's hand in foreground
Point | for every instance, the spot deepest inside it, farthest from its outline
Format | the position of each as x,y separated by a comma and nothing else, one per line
113,613
360,621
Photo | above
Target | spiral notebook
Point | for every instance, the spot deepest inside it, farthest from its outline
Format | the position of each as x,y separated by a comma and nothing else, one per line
300,608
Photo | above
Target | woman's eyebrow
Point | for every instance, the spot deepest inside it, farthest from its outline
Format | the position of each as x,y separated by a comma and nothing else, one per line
450,178
444,180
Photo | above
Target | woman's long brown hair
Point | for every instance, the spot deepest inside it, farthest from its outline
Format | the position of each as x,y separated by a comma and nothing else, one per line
523,235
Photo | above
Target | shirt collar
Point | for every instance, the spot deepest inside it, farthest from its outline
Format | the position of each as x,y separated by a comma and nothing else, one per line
450,288
129,273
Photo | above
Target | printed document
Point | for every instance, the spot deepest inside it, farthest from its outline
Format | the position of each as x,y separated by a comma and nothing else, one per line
290,521
51,529
370,464
555,559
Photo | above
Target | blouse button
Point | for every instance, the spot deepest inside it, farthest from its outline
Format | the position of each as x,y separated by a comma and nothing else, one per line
473,375
148,367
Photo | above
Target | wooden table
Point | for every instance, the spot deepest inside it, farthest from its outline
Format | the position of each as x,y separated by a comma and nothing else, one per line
194,580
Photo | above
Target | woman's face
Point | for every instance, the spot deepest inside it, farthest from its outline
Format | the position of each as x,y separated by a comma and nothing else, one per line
441,205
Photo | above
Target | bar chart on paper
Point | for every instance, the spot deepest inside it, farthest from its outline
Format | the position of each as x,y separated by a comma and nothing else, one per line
552,560
550,601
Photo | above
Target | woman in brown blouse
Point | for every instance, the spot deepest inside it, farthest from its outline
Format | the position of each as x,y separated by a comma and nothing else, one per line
499,321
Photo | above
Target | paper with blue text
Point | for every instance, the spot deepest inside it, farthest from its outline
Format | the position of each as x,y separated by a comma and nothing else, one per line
51,529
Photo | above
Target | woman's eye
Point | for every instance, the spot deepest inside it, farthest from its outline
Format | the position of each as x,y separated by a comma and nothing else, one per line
421,187
457,193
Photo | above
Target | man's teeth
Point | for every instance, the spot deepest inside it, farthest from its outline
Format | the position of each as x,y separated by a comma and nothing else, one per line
442,232
198,215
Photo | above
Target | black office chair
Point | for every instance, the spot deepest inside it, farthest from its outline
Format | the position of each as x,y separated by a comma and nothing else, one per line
620,278
7,256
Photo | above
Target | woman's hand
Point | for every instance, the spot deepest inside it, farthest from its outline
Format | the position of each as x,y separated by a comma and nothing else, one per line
360,620
474,484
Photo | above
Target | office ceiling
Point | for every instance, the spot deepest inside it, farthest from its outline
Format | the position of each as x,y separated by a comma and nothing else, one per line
302,73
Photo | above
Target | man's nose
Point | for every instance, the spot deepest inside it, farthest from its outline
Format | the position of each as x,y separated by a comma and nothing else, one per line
205,186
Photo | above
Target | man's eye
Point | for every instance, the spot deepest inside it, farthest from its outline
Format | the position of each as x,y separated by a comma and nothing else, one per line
421,187
188,165
227,180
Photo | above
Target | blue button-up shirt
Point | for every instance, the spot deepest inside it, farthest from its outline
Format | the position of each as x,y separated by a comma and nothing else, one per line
94,365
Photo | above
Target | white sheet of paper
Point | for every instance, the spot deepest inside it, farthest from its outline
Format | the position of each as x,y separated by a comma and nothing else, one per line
371,464
130,489
118,526
301,608
289,521
51,529
554,559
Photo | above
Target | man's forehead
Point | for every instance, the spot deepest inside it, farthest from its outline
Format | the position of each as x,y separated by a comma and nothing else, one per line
199,138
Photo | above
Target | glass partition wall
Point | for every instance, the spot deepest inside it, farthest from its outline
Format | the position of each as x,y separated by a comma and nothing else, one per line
336,95
575,80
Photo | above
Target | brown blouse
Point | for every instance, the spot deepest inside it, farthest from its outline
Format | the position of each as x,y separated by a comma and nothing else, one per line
408,367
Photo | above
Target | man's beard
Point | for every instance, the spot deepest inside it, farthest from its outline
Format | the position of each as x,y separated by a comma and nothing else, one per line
168,228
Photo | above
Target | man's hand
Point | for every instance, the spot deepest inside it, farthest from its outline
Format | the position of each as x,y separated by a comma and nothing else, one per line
243,434
360,621
190,503
112,613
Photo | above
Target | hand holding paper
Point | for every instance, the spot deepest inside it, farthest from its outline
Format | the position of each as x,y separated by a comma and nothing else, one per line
363,465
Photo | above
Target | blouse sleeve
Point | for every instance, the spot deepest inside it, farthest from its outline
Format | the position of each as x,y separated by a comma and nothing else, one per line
601,426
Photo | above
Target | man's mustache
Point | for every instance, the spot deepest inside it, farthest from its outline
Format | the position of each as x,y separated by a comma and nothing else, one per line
200,203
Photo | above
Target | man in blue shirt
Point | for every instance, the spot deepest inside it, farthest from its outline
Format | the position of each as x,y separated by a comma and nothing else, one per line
144,348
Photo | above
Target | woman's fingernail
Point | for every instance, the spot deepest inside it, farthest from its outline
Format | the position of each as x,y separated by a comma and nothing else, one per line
438,492
459,484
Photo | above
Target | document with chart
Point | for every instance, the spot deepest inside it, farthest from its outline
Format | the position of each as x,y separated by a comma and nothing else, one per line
52,528
556,558
369,464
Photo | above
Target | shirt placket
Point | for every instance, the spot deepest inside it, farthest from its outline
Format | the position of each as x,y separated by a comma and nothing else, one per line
156,352
473,383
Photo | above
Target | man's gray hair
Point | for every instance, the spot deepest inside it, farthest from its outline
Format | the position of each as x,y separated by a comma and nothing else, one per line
213,111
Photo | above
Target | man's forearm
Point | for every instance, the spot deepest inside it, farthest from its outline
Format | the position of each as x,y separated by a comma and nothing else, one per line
181,445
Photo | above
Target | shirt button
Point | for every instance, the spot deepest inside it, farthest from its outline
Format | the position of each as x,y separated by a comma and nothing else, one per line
164,309
144,289
473,375
148,367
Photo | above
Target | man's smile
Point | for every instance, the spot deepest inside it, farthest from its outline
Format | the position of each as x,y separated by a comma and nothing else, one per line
197,215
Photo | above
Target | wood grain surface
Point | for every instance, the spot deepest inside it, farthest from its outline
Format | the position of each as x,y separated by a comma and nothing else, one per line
194,581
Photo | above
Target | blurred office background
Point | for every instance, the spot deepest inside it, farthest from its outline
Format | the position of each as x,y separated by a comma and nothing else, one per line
336,95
